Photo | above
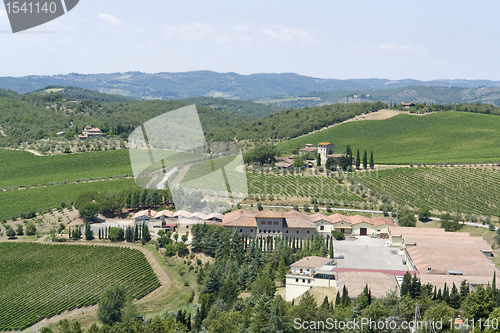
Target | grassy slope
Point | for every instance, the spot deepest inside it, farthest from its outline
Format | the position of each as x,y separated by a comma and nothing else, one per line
19,201
438,137
23,168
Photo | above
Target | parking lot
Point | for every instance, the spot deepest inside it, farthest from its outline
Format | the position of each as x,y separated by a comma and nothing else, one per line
368,253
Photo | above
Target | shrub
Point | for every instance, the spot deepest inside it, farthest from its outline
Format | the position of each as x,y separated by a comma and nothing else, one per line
338,235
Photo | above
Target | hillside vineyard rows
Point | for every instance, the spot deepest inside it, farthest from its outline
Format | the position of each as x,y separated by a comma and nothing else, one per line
464,190
40,281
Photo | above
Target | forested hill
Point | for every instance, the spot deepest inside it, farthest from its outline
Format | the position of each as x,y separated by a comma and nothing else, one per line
213,84
78,94
292,123
253,109
41,116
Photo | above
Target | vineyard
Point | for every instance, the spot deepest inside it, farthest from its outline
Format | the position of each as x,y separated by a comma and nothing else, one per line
40,281
440,137
470,191
299,186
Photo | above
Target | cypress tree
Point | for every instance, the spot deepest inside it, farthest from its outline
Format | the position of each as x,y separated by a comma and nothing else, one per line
365,160
464,289
337,298
318,160
357,160
345,297
454,297
406,285
439,297
136,235
446,294
372,164
99,233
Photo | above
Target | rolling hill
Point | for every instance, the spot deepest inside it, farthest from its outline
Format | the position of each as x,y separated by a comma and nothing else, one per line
438,137
213,84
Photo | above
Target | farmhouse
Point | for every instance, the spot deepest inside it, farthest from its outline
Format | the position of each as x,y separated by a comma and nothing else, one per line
309,148
407,105
325,148
90,132
307,273
271,224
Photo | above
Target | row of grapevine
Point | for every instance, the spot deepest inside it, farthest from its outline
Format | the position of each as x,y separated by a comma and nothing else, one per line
40,281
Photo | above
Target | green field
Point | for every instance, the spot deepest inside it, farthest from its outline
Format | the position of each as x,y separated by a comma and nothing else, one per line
299,186
15,202
40,281
22,168
439,137
471,191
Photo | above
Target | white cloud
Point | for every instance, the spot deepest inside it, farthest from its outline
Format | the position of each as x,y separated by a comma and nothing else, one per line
111,23
289,35
402,48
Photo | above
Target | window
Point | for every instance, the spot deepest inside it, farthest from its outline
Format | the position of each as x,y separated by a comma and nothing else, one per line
287,231
274,231
263,222
269,223
307,231
297,231
251,230
241,230
265,231
342,230
187,227
308,281
260,231
276,223
278,231
296,280
322,227
303,280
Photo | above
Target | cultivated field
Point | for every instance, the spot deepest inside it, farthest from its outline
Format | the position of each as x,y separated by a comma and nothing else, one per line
15,202
22,168
438,137
458,189
40,281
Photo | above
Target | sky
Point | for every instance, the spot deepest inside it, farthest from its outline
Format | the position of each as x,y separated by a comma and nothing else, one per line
422,40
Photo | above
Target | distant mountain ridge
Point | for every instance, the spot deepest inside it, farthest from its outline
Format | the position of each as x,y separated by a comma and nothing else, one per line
213,84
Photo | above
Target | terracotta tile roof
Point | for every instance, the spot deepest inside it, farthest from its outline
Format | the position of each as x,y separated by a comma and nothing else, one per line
145,212
356,219
324,144
182,213
296,219
269,213
311,262
320,217
283,164
199,215
239,218
215,216
376,221
334,218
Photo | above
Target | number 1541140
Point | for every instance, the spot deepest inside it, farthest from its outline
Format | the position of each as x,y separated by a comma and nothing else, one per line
31,7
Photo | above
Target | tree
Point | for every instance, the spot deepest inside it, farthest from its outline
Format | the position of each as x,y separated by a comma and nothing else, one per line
357,160
89,234
146,236
406,285
406,217
282,270
76,234
116,234
111,304
424,213
365,161
318,160
30,229
19,230
330,163
176,236
89,211
259,206
129,234
261,154
10,233
372,164
298,161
